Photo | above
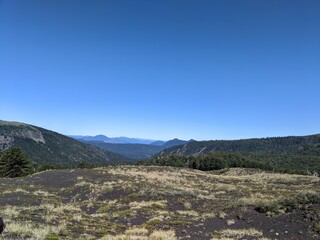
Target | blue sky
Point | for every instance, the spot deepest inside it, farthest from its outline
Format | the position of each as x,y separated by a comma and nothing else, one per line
156,69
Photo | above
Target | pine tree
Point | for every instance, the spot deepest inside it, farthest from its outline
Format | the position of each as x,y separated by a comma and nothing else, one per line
15,163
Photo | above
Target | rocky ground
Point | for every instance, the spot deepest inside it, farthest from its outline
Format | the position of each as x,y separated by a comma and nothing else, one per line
154,203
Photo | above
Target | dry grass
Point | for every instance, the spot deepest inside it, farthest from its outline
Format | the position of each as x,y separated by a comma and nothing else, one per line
145,203
31,231
143,234
239,233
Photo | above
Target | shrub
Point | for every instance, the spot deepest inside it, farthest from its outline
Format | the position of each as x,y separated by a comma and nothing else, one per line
264,207
289,204
308,197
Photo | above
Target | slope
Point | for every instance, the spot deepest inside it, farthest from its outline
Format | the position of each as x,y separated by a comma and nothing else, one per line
48,147
305,145
291,152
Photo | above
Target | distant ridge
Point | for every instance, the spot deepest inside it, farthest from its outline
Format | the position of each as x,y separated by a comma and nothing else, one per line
158,143
120,140
47,147
92,138
135,150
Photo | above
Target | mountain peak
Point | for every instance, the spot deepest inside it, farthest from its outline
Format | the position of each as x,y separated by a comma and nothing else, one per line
101,135
174,142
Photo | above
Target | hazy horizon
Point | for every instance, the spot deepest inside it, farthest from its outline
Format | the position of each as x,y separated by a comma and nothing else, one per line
162,69
155,138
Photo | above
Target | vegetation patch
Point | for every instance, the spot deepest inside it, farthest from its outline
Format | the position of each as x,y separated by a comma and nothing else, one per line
289,203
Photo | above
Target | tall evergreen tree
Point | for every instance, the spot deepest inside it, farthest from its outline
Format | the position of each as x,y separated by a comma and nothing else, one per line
15,163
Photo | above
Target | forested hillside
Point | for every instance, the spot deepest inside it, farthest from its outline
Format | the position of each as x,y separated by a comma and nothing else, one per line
48,147
306,145
290,153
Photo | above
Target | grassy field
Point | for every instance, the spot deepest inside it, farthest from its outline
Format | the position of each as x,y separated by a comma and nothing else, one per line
155,203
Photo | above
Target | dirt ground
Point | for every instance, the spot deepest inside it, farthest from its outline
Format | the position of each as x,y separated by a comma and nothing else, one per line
135,202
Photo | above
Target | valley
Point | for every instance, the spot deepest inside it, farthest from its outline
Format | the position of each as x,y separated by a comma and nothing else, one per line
81,189
159,120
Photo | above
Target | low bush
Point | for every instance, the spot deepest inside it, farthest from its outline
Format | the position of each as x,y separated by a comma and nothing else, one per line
288,204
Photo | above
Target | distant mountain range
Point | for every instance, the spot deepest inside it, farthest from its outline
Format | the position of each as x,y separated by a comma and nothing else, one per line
120,140
134,151
48,147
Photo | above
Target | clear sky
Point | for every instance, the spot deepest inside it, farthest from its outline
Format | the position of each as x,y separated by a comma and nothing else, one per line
217,69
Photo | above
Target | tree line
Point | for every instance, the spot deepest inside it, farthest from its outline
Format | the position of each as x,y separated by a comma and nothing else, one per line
216,161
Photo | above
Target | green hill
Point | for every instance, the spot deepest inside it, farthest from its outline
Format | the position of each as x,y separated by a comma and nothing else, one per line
305,145
48,147
296,153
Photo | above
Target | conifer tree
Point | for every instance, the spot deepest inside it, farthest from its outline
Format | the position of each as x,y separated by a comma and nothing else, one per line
15,163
